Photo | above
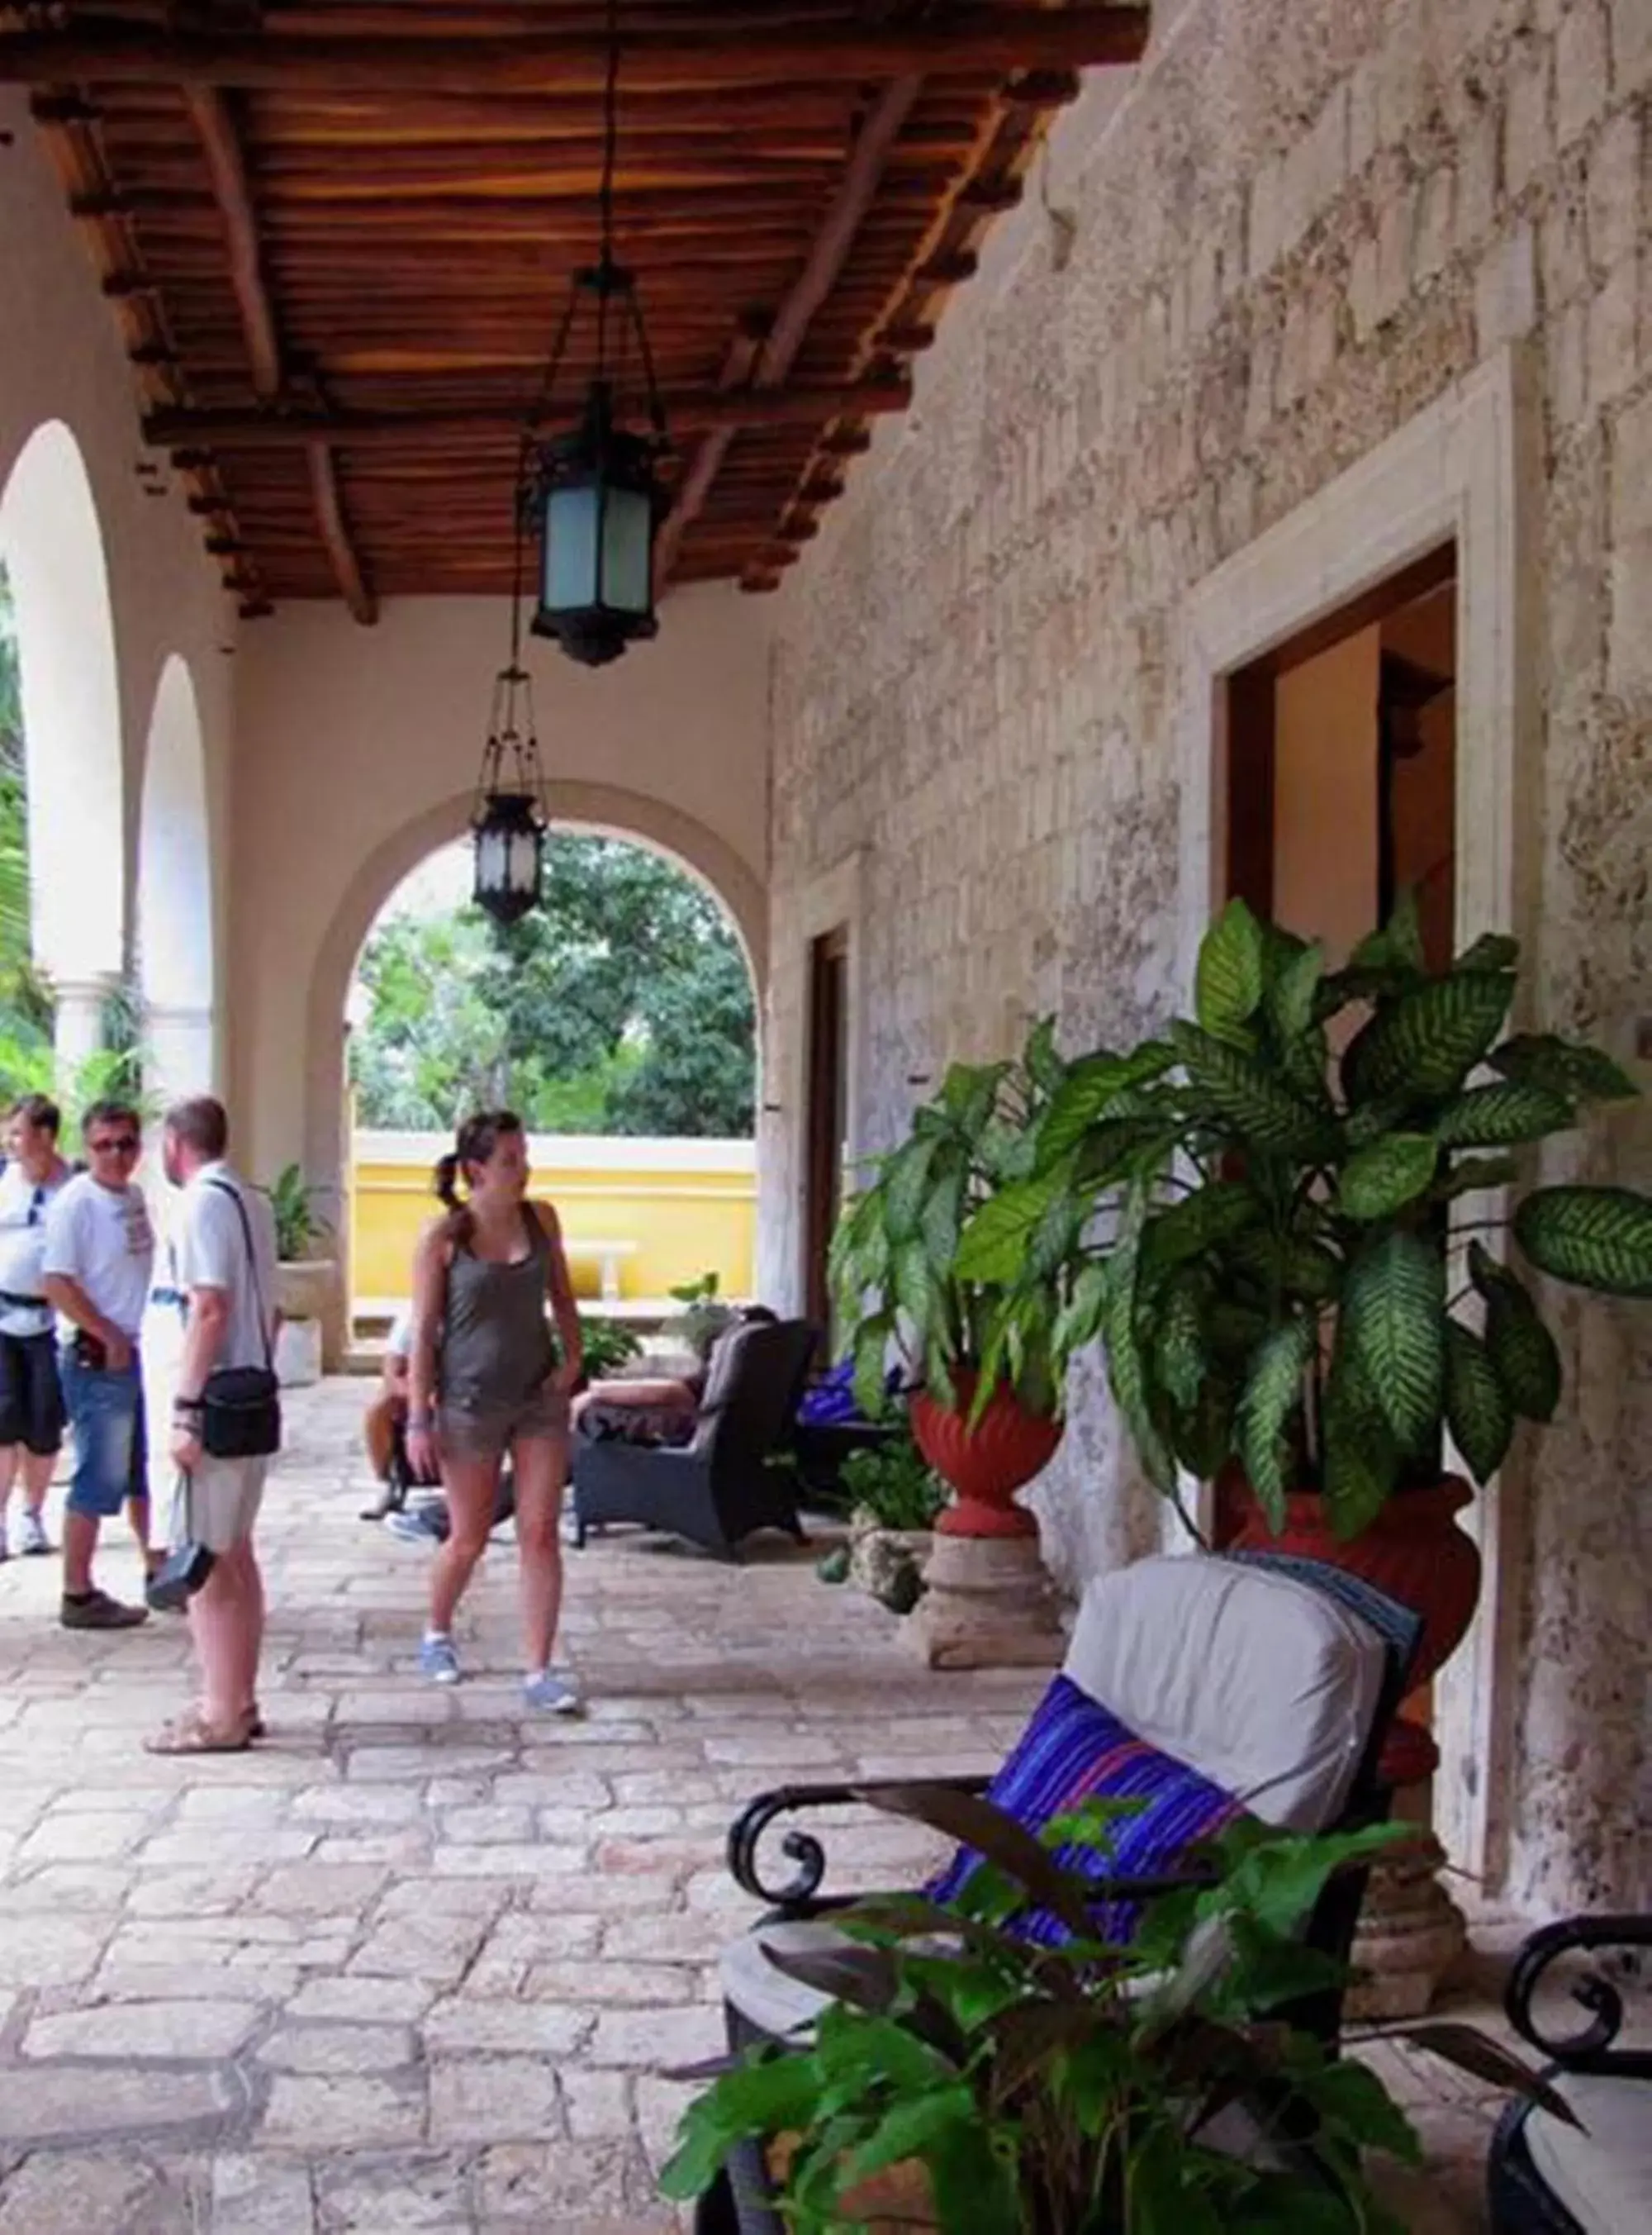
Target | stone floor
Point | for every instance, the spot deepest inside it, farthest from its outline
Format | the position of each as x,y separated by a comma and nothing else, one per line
416,1961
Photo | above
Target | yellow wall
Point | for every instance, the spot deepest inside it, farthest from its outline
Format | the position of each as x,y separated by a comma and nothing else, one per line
690,1207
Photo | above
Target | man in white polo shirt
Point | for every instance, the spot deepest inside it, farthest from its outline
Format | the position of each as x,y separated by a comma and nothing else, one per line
221,1253
96,1268
32,1397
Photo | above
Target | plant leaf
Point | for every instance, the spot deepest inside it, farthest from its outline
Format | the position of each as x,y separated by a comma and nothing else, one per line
918,1289
904,1184
1492,950
1227,984
1378,1181
976,1823
1213,1213
942,1217
1478,1410
1393,1315
1422,1044
870,1352
1498,1117
1180,1361
1040,1060
1272,1393
1596,1237
1473,2051
1360,1463
1570,1067
1249,1096
1090,1085
993,1246
1126,1369
1520,1345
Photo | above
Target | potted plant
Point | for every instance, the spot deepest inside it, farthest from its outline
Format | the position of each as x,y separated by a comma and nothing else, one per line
967,2078
608,1345
306,1283
895,1499
704,1315
984,1349
1291,1252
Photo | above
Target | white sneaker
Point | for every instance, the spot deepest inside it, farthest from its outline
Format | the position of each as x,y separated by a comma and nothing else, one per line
551,1693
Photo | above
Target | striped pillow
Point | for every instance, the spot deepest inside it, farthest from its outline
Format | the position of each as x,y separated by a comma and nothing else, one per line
1074,1750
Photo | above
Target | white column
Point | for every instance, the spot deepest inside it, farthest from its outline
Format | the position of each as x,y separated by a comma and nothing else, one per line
179,1054
78,1027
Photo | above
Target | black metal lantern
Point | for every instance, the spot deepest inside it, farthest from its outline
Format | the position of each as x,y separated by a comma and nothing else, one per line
509,821
594,494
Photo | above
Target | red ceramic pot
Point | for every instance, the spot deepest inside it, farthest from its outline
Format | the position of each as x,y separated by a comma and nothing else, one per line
1414,1551
987,1464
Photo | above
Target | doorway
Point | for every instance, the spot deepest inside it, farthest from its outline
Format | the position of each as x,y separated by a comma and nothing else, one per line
827,1142
1341,766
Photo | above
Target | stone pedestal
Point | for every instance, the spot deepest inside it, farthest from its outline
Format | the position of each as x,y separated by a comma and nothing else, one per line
77,1031
1410,1931
988,1604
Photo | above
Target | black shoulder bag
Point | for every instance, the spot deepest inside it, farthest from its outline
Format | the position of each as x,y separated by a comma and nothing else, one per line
241,1405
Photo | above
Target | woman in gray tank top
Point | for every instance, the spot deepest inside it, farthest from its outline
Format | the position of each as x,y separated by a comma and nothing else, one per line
483,1379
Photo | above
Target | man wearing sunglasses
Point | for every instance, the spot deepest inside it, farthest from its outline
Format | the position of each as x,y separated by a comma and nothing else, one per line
31,1403
98,1255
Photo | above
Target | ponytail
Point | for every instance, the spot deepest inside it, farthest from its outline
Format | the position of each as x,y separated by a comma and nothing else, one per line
445,1181
478,1138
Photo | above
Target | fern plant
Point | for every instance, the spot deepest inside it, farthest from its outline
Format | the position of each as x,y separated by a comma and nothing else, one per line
1287,1254
298,1222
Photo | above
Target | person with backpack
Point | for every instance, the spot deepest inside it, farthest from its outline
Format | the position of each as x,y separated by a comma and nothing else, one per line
214,1322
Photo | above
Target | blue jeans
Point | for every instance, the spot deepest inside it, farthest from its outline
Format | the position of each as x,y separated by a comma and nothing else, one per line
111,1458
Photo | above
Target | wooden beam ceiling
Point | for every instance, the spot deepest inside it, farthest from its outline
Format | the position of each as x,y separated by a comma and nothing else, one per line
337,237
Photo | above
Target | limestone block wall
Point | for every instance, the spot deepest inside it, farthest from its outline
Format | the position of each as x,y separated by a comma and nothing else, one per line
1303,223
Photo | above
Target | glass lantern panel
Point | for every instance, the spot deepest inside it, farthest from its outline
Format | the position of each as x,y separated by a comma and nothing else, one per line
627,558
524,871
571,520
492,858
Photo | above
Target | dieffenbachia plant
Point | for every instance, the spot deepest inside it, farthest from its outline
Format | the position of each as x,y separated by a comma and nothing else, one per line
1283,1247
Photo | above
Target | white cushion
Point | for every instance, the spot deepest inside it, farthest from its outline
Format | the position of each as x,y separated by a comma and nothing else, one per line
1602,2175
1263,1684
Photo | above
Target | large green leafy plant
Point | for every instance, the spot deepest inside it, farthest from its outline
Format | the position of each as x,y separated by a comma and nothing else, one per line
1074,2090
298,1222
1285,1253
897,1277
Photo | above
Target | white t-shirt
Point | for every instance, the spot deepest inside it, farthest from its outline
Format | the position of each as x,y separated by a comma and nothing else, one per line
399,1341
102,1237
23,1205
206,1248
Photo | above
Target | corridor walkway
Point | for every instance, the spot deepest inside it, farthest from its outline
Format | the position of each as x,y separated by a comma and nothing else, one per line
417,1963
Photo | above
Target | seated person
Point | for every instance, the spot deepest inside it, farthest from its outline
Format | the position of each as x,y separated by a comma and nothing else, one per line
638,1409
384,1430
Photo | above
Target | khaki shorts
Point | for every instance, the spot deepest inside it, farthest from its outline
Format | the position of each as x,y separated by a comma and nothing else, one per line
484,1432
217,1504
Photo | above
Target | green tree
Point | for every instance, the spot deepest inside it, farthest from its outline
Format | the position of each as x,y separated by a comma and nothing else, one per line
622,1007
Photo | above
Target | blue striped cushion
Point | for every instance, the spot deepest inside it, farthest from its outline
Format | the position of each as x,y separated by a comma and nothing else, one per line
1074,1750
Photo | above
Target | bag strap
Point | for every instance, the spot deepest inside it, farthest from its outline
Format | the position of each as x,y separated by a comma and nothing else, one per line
223,1187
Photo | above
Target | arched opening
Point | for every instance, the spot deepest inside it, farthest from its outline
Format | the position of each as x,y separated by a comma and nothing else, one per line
176,970
618,1019
51,547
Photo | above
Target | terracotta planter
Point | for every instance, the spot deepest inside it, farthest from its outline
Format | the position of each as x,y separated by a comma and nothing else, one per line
1414,1551
987,1464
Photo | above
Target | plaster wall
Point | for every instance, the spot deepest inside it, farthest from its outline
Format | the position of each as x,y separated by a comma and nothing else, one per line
61,359
1303,223
358,752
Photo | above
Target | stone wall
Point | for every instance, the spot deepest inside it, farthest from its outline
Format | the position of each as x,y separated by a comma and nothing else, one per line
1302,224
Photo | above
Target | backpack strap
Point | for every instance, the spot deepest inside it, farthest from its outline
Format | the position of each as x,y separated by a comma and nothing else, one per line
223,1187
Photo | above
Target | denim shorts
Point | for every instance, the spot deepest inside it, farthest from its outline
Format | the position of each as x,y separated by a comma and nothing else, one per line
111,1456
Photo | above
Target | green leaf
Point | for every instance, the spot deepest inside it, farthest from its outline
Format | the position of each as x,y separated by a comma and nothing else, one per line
1212,1214
918,1289
1249,1096
1499,1117
1227,984
1359,1462
1478,1410
1596,1237
1126,1369
1378,1181
1520,1345
769,2096
1394,1314
1204,1434
994,1244
1083,1097
1472,1175
1492,950
1081,1321
1041,1063
905,1184
1271,1394
1180,1361
1568,1067
871,1349
943,1216
1422,1044
910,2126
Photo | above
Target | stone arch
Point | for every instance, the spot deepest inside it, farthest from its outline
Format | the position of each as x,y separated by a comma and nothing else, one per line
606,810
176,951
51,543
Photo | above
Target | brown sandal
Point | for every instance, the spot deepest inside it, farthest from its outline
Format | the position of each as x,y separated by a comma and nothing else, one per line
192,1734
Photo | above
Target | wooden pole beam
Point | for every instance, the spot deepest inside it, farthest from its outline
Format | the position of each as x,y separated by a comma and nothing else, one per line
688,411
210,112
335,534
91,50
820,273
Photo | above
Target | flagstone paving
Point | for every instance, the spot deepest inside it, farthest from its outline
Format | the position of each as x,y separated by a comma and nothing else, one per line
420,1960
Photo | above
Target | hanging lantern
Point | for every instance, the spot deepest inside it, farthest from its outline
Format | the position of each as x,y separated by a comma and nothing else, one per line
509,834
594,495
509,821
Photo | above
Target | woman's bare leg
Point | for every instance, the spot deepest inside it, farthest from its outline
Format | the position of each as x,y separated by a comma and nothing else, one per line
470,1485
541,1466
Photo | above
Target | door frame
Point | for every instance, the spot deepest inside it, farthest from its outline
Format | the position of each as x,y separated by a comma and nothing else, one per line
1468,469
